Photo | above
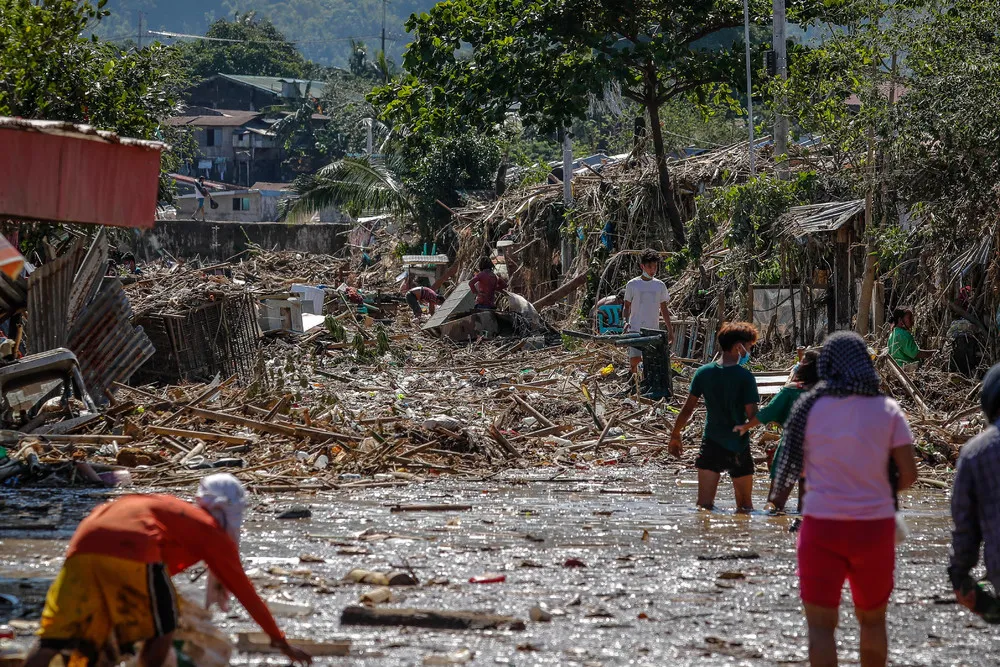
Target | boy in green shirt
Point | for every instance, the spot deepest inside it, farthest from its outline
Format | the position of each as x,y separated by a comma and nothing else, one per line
779,408
902,347
730,393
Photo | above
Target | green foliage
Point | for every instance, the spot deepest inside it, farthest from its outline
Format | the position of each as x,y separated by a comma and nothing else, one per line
335,328
754,207
260,50
751,210
471,60
48,70
356,185
945,128
445,169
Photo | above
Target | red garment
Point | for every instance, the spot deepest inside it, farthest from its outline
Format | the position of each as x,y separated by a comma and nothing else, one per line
485,285
426,295
832,550
168,530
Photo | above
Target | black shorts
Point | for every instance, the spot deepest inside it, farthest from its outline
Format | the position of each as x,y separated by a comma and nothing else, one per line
414,304
718,459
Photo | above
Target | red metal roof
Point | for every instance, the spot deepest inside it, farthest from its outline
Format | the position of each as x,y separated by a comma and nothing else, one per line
62,172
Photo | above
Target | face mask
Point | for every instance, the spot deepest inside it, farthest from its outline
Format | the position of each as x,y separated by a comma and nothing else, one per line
745,357
646,276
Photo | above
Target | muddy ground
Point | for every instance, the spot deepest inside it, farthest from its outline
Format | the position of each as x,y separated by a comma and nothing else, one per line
651,602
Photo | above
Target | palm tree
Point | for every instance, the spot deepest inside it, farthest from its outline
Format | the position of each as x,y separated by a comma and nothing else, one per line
366,184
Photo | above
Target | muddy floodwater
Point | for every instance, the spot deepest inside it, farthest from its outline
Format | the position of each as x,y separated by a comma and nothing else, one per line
662,599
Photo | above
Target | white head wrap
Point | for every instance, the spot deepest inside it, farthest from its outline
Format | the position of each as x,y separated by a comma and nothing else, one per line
224,497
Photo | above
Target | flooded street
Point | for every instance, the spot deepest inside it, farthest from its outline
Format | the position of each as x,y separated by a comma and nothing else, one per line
665,599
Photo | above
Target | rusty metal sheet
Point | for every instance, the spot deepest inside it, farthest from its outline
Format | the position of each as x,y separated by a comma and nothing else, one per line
109,347
61,172
49,288
87,280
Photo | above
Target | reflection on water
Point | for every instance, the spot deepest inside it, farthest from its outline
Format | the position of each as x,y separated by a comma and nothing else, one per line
667,599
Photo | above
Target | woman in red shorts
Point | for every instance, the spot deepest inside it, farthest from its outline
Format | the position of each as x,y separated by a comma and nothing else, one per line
843,436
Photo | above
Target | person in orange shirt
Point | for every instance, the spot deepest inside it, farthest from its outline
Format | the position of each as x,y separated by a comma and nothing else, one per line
115,583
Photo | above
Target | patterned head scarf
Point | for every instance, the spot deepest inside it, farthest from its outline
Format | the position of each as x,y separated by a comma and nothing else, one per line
845,369
222,496
990,396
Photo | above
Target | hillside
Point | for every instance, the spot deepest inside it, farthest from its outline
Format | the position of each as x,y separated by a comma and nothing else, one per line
323,28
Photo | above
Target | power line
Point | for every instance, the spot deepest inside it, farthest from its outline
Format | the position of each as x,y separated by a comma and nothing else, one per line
179,35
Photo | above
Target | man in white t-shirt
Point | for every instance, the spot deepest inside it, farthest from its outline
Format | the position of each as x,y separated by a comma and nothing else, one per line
645,302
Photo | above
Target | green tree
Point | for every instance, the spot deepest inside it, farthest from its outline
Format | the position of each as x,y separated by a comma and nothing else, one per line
246,45
471,61
48,70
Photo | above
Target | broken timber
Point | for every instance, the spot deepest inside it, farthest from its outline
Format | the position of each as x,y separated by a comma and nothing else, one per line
427,618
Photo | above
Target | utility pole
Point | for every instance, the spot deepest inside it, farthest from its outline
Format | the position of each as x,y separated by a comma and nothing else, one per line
746,39
567,168
385,58
779,41
566,247
138,35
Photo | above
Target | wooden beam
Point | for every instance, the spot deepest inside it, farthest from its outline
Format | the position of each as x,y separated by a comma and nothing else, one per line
564,290
428,618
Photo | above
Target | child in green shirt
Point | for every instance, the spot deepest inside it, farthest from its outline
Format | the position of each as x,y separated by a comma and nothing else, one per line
780,407
902,348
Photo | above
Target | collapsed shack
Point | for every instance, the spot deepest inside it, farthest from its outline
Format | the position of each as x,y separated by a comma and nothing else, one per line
617,212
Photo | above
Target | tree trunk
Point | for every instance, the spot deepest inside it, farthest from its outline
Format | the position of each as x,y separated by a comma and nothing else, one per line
867,286
666,188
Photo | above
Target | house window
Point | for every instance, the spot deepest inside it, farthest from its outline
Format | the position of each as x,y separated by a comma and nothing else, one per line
241,203
213,137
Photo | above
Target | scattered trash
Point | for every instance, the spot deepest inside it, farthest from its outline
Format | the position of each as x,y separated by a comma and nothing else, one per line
377,596
397,578
460,657
574,562
488,579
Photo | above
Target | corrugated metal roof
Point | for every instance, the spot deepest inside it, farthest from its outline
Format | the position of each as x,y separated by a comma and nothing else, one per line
225,118
819,218
273,84
978,254
50,289
75,130
110,349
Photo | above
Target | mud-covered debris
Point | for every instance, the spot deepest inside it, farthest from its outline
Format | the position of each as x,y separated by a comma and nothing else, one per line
395,578
376,596
460,657
310,558
736,555
574,562
428,618
296,512
732,575
539,615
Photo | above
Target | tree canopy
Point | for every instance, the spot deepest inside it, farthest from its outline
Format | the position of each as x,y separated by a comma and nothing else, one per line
256,48
473,61
48,70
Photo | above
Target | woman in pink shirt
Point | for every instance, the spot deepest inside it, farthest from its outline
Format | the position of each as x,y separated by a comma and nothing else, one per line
855,450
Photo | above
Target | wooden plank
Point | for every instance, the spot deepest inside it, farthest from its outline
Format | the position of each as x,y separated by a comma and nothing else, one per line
258,642
200,435
428,618
429,508
253,424
564,290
